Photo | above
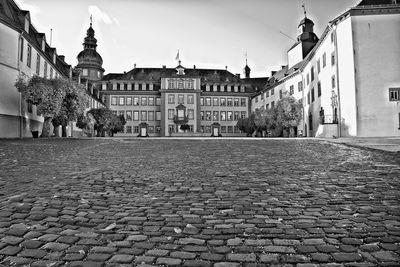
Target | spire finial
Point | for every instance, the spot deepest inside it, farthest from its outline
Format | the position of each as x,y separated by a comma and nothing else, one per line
304,8
90,20
246,58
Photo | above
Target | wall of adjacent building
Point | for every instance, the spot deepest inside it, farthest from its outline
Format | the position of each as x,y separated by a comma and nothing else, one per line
377,64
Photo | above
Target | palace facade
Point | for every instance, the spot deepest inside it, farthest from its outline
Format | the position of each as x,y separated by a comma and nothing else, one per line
348,80
208,102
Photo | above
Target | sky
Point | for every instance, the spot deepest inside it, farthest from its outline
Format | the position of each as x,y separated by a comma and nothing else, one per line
207,33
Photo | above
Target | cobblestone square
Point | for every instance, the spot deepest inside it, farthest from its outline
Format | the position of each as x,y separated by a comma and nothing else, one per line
211,202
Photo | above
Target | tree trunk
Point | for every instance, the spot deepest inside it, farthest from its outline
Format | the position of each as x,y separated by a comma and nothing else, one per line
55,131
64,131
46,127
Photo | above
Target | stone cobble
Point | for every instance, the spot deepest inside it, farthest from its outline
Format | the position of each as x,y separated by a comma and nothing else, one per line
131,202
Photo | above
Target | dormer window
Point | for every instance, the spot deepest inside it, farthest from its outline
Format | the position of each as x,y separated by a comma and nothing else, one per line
180,70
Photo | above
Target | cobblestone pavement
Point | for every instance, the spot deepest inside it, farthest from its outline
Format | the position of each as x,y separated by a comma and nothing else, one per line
214,202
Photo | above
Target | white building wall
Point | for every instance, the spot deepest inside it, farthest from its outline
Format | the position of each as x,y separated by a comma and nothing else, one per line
377,64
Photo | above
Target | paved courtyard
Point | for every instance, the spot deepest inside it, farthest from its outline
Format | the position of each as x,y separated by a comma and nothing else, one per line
115,202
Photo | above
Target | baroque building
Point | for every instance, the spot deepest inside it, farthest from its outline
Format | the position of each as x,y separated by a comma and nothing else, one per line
347,80
159,101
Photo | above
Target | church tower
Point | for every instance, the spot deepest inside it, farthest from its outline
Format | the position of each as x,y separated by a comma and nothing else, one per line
247,70
89,61
306,40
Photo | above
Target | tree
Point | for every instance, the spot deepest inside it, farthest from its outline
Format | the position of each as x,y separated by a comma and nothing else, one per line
264,119
86,123
46,94
74,103
288,114
247,125
117,124
103,118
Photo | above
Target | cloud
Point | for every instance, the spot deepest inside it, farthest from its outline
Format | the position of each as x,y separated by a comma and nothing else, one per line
101,16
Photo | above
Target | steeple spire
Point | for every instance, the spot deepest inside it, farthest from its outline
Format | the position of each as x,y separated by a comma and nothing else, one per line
90,20
304,9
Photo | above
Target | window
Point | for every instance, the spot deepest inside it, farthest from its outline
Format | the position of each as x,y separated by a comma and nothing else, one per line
208,101
243,114
222,101
280,94
151,101
151,115
242,89
332,37
229,116
215,101
236,115
243,102
143,101
171,114
38,64
191,114
136,101
115,112
136,129
136,115
29,106
312,95
300,86
201,101
308,98
272,91
171,99
85,72
318,65
208,115
121,113
333,58
171,128
229,102
129,101
143,115
333,81
122,101
158,101
190,84
223,115
128,115
181,99
256,99
262,96
29,56
324,60
236,102
128,129
190,99
151,129
158,129
230,129
291,90
272,104
394,94
308,78
21,49
319,89
113,101
180,83
223,129
158,115
267,106
312,73
208,129
236,129
51,73
171,84
202,115
45,69
215,115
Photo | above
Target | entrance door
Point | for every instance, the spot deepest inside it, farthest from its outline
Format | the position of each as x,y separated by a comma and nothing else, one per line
215,131
143,132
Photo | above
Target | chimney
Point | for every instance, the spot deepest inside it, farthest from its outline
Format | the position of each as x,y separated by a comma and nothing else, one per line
62,58
238,75
226,67
272,73
164,66
194,67
134,66
283,67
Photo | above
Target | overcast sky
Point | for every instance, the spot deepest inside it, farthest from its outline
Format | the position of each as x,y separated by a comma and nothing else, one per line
208,33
